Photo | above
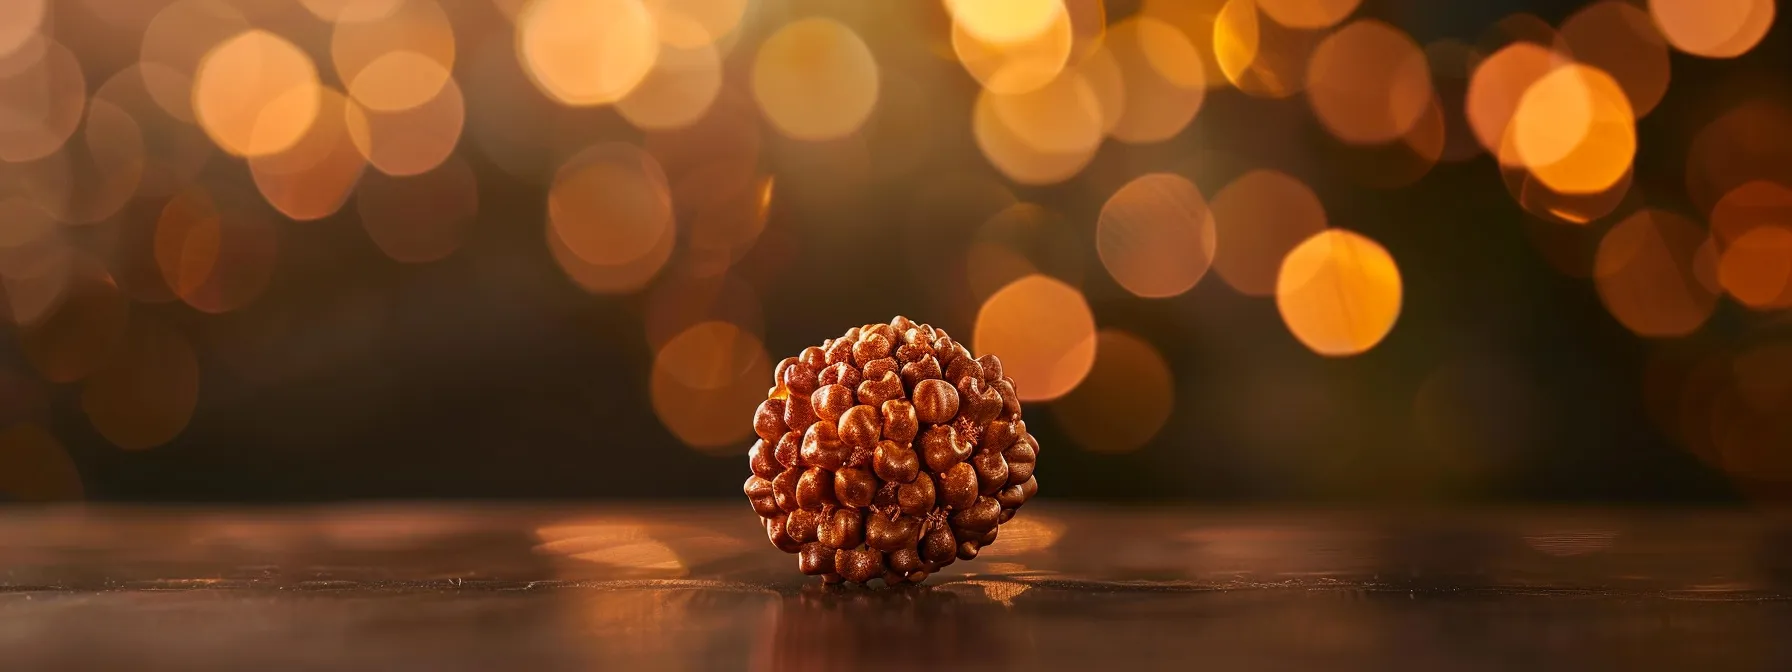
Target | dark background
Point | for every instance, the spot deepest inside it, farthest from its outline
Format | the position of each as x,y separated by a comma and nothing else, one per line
488,374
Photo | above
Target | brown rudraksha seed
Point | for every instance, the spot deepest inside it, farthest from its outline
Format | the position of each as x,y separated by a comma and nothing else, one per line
888,453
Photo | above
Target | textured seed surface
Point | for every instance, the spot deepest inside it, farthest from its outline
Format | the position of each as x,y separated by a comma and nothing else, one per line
888,453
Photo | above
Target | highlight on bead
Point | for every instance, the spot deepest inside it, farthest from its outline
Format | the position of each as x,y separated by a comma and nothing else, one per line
1044,332
1339,293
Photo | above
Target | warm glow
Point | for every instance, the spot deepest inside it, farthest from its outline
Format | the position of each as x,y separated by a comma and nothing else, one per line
312,178
175,42
587,52
705,380
41,105
346,11
1339,293
1575,130
1260,217
1713,28
1495,88
1619,38
397,61
1005,21
622,278
815,80
146,395
1369,83
1657,274
216,249
1124,401
412,141
1156,236
679,89
689,24
19,23
105,164
1751,142
173,151
421,218
1195,20
1022,158
1756,268
1262,58
256,94
677,301
1044,333
610,204
1017,67
1753,204
1309,14
1161,77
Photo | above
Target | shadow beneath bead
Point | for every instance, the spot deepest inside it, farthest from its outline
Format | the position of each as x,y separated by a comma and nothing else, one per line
911,627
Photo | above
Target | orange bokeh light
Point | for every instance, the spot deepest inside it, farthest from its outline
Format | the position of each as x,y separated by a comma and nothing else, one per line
705,380
815,79
1339,293
1156,235
1713,28
586,52
1756,268
1126,398
1656,272
1259,218
1369,83
256,94
1574,130
1619,38
1042,330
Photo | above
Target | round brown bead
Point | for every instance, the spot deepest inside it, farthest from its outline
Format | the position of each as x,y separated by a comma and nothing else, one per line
840,374
1011,497
992,472
942,447
859,565
958,486
884,331
774,530
763,463
798,414
901,324
813,358
830,401
980,516
759,492
1021,460
924,368
876,391
839,351
904,560
801,524
854,487
799,379
935,401
913,352
1010,398
886,534
822,447
784,489
992,367
844,528
768,420
872,347
900,423
789,452
895,462
998,435
860,426
815,489
876,368
917,498
967,550
938,546
815,559
964,367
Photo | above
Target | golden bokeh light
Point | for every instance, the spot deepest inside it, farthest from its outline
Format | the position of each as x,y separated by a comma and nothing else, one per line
689,24
175,43
1496,87
312,179
610,204
1309,14
1162,79
351,11
216,248
622,278
1020,66
705,380
1195,20
815,79
421,218
1005,21
683,84
1015,155
1261,58
1539,199
20,21
1044,333
1259,218
1749,205
396,61
1618,38
1369,83
1156,235
82,333
412,141
1656,272
146,395
256,94
41,104
1713,28
1750,142
1756,268
1126,398
586,52
174,151
34,467
1339,293
1575,130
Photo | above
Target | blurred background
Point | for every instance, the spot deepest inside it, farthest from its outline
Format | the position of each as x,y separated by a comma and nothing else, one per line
1357,251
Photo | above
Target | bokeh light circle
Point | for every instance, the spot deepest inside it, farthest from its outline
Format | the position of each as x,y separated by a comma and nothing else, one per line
1005,21
20,21
705,380
412,141
815,79
41,105
1713,28
1756,268
586,52
1496,87
1618,37
1258,219
1021,66
396,61
1369,83
1656,272
1339,293
421,218
1162,78
312,179
1574,130
683,84
1155,235
610,204
1044,333
1751,204
1309,14
1123,402
256,94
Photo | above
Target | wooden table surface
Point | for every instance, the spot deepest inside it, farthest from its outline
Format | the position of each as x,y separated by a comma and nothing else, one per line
618,587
